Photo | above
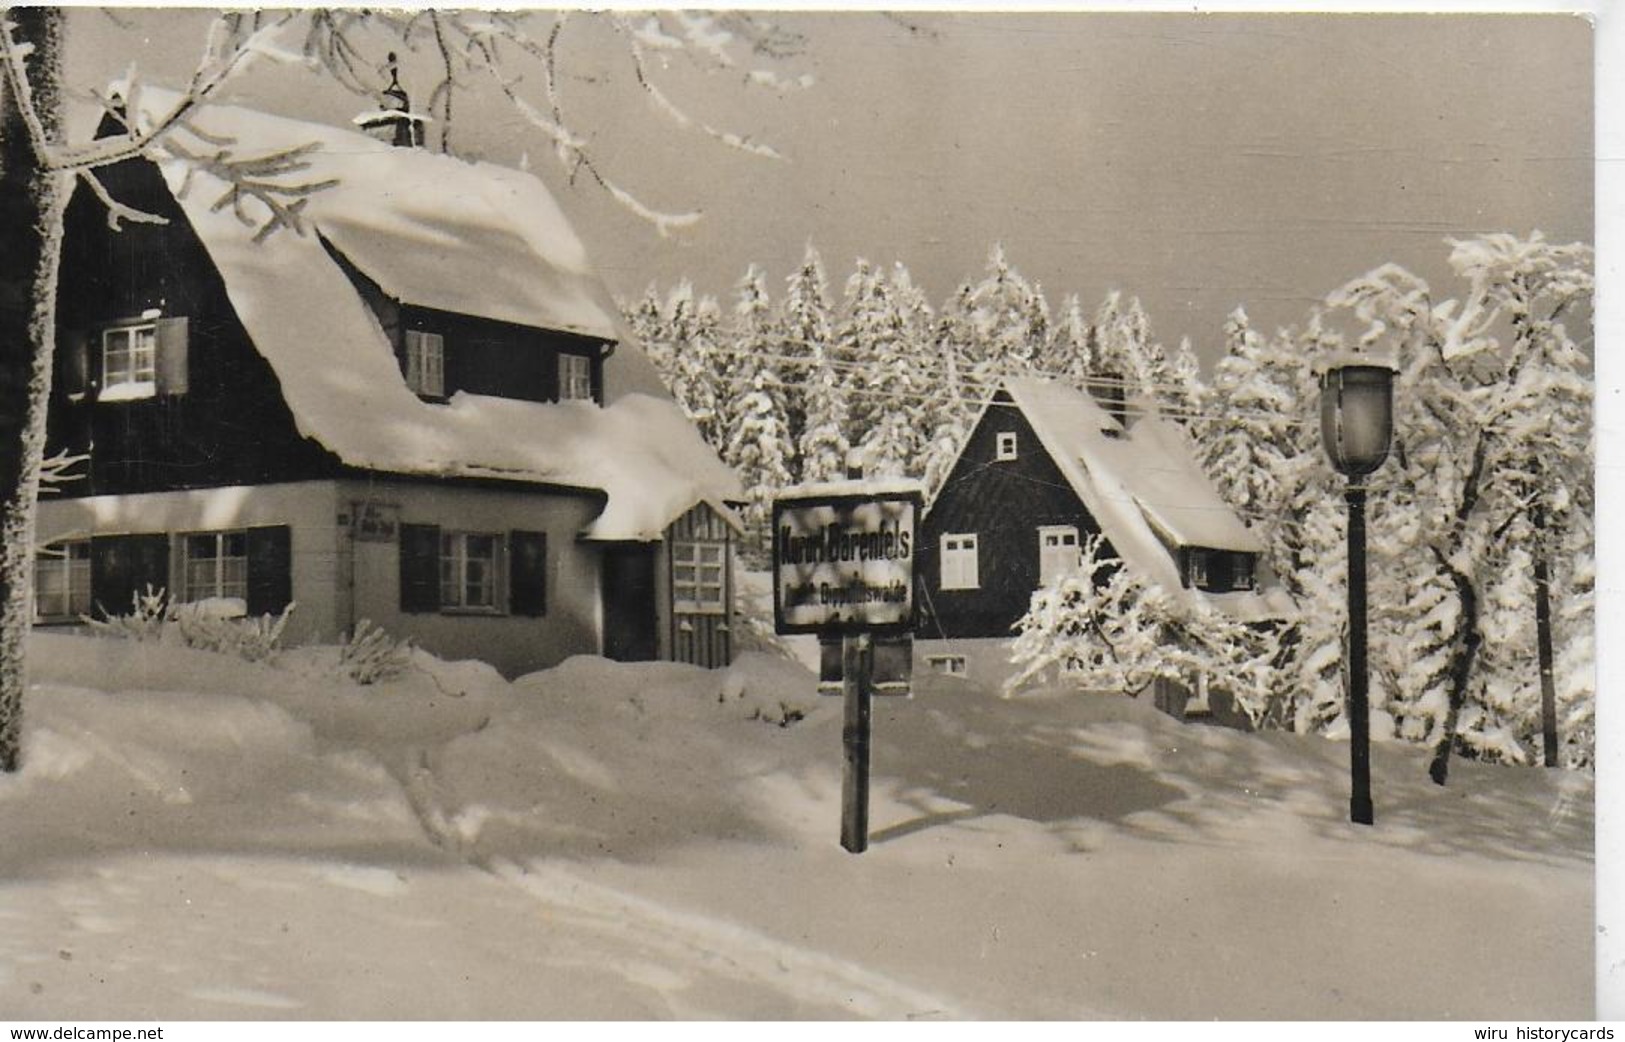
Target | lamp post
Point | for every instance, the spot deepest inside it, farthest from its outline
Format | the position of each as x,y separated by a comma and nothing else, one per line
1356,425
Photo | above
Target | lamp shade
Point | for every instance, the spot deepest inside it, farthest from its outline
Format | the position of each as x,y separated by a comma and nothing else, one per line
1357,416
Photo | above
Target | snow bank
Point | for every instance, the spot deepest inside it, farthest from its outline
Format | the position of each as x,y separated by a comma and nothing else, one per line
204,837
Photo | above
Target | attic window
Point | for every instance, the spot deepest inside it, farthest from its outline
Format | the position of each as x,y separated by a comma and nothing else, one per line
575,378
1219,571
1005,445
426,363
130,361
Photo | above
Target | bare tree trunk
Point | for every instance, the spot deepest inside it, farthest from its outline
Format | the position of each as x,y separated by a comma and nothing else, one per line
1465,642
32,198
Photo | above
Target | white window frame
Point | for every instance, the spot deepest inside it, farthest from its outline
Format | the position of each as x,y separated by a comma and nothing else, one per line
461,589
1053,559
426,363
947,665
1198,569
129,361
575,378
958,563
699,576
214,573
1005,444
62,570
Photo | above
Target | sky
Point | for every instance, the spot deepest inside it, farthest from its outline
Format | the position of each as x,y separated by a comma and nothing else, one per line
1195,161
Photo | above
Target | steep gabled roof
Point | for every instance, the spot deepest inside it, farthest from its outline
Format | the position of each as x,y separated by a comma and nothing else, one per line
1139,482
472,238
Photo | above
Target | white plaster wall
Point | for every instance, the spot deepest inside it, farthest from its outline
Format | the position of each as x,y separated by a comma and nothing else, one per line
513,644
307,507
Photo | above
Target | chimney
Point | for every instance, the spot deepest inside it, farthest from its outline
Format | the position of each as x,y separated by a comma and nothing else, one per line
1109,389
394,122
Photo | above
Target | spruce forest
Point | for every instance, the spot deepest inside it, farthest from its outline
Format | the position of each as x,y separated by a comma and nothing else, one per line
1481,524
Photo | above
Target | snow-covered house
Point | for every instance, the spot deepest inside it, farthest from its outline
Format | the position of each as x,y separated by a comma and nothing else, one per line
410,409
1046,466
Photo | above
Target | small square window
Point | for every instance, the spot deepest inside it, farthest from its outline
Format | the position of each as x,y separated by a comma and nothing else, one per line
947,665
426,363
130,362
698,581
1005,445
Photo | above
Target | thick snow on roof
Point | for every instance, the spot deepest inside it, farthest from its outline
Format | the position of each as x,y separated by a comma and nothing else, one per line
337,367
430,229
1136,482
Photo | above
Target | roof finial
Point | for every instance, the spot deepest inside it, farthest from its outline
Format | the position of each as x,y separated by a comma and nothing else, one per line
394,121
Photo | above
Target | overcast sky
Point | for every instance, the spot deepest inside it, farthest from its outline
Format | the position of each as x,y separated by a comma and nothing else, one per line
1197,161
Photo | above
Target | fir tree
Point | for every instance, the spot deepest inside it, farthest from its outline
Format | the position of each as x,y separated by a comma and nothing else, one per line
807,339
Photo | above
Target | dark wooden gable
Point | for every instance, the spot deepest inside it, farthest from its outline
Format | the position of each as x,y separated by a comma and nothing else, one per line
482,355
218,417
1003,502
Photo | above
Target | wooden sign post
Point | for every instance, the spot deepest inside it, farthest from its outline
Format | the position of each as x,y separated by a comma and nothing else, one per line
856,669
843,566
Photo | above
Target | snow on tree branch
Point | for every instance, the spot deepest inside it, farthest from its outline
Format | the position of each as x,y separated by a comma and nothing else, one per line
118,212
255,178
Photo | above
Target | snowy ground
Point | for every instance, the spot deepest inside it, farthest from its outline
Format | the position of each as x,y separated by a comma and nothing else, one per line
196,837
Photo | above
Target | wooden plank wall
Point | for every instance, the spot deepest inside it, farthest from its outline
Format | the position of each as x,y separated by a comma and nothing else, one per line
699,638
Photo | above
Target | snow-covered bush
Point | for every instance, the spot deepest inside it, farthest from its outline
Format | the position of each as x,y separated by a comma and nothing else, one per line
145,620
216,624
1102,627
209,626
370,654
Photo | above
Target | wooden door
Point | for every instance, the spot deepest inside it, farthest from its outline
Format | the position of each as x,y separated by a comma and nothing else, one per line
630,616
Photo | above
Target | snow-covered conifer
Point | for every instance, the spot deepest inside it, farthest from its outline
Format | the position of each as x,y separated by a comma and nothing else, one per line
807,336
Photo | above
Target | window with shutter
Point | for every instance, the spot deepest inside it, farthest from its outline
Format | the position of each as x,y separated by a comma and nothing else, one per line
270,569
129,362
125,566
138,360
214,566
173,361
420,568
468,570
73,347
527,573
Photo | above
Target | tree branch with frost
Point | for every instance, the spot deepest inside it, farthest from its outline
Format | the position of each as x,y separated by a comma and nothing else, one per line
117,212
57,470
233,41
255,178
670,108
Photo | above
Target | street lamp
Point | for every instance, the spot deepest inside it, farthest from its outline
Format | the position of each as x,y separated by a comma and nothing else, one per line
1356,425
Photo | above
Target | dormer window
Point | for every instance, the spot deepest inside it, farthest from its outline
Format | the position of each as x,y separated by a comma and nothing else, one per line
1219,571
575,378
1005,445
130,361
426,363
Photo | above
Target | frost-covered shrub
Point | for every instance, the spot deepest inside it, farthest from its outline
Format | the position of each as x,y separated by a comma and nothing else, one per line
145,620
214,626
371,655
1103,627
